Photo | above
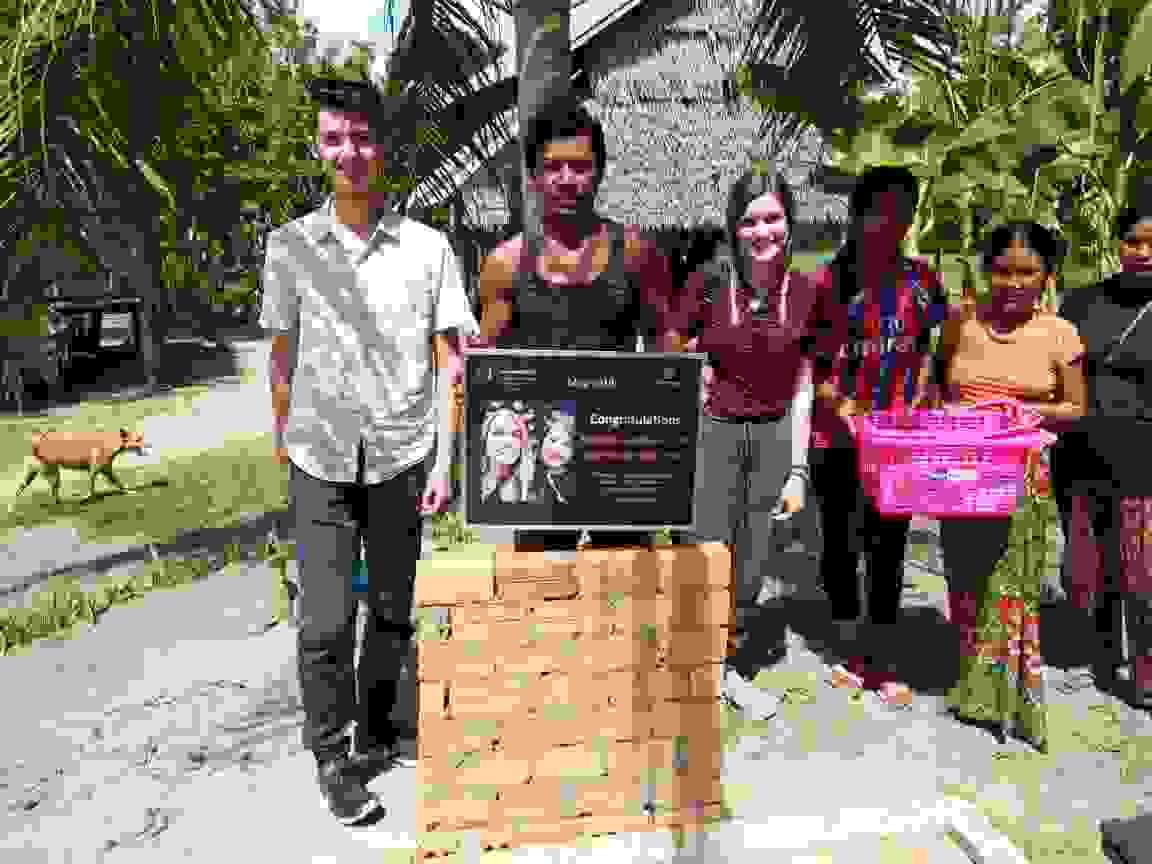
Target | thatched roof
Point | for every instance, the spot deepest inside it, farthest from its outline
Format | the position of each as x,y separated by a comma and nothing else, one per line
674,145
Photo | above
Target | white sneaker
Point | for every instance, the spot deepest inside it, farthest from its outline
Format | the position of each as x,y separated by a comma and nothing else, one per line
746,697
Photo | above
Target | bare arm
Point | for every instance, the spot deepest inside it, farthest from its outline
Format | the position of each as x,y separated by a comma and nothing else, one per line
654,276
281,363
1070,376
802,414
946,350
449,376
687,314
1068,364
497,281
794,492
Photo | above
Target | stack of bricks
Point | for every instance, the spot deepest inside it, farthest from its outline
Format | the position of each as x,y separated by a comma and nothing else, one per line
561,699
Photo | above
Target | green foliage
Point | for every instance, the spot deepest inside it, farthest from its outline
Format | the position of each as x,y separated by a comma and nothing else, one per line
55,611
1015,131
210,489
448,530
231,138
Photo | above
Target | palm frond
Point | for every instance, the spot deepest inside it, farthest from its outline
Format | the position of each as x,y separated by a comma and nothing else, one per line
785,62
457,107
100,66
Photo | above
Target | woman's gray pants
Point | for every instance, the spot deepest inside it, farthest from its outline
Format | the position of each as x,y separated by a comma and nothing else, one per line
740,470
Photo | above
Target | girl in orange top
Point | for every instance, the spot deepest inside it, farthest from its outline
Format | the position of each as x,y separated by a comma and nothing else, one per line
1005,346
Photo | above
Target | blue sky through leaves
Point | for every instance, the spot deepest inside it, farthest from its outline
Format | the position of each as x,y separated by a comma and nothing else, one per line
388,18
355,19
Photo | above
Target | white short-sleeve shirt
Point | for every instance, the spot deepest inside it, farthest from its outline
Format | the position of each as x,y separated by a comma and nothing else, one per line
365,315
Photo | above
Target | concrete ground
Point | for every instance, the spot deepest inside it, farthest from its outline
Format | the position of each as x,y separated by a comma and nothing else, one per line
171,732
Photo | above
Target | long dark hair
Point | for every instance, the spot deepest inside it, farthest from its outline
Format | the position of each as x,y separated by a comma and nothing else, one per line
747,188
869,186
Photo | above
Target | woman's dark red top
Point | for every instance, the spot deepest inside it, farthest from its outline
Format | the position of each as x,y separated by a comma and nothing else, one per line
757,356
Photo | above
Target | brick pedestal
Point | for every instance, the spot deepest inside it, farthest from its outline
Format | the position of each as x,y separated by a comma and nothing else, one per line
560,699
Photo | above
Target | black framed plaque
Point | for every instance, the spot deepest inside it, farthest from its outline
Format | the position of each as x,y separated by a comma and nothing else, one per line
580,439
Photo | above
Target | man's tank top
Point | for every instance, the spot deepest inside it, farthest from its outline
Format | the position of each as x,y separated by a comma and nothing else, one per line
605,314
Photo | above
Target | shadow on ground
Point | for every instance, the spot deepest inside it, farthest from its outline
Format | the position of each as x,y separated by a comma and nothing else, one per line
119,375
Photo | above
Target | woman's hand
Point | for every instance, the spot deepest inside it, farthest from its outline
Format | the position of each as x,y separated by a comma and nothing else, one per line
707,378
846,409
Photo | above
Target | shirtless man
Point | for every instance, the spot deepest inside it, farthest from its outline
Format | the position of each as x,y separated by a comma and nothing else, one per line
616,285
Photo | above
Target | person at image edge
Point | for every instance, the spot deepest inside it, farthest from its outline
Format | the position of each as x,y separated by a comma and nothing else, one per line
1101,465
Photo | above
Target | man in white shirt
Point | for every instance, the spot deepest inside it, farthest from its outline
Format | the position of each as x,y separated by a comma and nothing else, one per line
364,305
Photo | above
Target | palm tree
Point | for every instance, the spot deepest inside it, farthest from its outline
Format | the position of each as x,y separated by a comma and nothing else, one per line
80,117
786,64
80,111
789,41
544,64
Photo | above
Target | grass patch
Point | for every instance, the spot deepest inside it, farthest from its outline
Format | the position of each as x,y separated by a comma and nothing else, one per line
58,610
1028,823
1040,840
103,414
210,489
1097,730
796,687
797,691
448,531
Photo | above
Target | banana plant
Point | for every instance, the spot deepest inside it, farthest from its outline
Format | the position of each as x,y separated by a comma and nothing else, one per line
985,138
81,124
785,70
1106,45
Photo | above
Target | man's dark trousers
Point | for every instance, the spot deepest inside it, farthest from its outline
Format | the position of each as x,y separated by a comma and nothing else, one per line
331,518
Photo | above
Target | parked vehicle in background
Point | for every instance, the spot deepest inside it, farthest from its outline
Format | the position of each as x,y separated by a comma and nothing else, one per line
41,346
101,325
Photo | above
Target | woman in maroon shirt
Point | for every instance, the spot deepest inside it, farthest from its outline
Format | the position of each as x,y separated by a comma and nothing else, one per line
754,321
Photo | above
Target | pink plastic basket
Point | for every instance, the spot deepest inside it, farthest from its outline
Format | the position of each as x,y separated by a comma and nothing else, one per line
962,462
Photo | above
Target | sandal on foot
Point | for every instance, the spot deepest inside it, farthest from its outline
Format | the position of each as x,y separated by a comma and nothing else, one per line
841,675
857,673
893,694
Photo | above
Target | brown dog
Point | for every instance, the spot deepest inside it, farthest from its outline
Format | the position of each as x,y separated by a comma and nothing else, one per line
93,452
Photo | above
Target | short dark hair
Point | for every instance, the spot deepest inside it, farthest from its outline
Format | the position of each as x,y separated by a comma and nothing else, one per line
882,178
1043,241
747,188
1139,208
566,118
359,97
